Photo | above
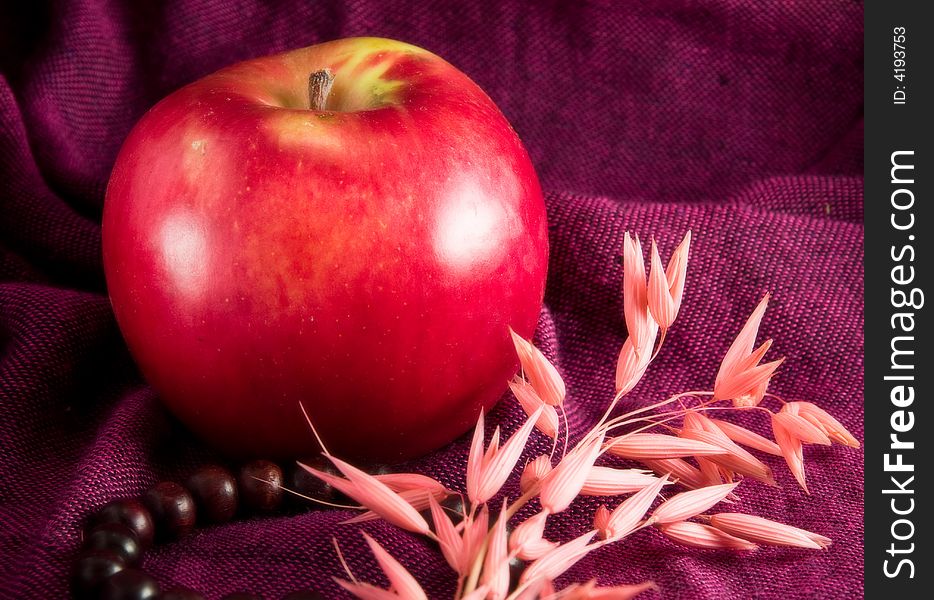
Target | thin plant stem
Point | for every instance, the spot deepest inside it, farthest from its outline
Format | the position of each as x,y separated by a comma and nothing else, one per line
661,342
712,408
522,500
567,431
477,565
627,418
342,560
322,502
644,409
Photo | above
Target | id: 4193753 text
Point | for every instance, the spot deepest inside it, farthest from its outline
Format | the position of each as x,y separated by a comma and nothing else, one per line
899,65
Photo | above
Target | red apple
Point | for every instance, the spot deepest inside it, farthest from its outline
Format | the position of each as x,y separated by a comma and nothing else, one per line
361,248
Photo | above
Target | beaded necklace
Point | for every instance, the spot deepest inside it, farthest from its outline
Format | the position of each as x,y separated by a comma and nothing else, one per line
117,534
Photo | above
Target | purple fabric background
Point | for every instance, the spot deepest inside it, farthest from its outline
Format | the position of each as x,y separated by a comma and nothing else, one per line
741,121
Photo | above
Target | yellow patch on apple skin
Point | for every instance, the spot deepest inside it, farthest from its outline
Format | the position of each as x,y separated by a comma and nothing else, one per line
359,66
360,82
372,81
306,130
376,44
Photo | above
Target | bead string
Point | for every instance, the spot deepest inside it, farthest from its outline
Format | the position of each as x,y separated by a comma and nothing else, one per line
117,534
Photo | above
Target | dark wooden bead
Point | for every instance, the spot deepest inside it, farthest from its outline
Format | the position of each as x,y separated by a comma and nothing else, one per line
117,538
242,596
172,508
181,594
261,485
130,512
454,506
91,569
130,584
303,595
301,481
215,492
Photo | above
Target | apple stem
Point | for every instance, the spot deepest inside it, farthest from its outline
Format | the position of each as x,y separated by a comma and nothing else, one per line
319,87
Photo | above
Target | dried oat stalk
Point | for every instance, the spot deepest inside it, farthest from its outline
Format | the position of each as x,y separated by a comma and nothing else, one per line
677,439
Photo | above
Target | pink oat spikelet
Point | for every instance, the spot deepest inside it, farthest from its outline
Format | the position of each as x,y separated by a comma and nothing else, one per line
741,378
792,451
680,470
527,540
488,471
802,428
450,541
558,560
530,402
764,531
748,438
627,516
735,458
413,488
564,483
685,505
792,431
666,288
826,423
635,294
402,584
649,446
755,396
601,521
400,482
634,360
713,472
418,499
474,533
699,535
607,481
496,563
534,472
543,375
401,581
537,590
373,494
